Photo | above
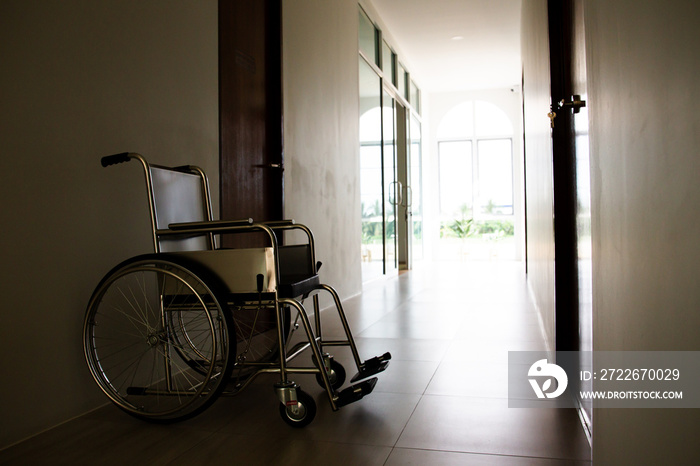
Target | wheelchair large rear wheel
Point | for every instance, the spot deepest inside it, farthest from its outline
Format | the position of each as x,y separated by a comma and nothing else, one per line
158,340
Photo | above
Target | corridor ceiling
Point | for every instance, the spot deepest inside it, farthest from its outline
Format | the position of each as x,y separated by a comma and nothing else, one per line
453,45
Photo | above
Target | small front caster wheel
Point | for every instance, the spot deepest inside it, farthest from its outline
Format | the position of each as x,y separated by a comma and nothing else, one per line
300,414
336,376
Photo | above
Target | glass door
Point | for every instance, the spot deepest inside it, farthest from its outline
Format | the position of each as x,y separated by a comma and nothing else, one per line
380,192
414,191
389,156
371,173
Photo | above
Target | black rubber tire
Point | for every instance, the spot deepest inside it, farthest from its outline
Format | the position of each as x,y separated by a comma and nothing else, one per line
190,290
307,411
336,377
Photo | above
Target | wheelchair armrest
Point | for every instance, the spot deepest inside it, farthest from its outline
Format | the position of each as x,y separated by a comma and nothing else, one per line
206,226
279,223
292,225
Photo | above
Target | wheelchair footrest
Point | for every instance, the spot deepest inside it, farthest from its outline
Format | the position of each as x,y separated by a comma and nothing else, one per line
372,366
356,392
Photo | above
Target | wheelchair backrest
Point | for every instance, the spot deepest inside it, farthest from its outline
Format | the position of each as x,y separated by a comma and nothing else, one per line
179,196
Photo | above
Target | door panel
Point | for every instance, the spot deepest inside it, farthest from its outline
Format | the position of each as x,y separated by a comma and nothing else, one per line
564,174
392,188
250,113
403,170
572,183
371,177
415,193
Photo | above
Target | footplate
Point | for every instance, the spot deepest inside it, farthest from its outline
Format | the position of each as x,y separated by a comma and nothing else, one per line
372,366
355,392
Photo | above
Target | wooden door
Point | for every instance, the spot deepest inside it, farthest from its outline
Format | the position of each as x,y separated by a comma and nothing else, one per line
574,314
564,175
250,113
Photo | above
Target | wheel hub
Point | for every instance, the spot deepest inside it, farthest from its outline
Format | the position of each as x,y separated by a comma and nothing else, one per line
154,339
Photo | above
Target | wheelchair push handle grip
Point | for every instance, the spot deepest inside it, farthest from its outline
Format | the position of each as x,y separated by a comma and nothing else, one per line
115,159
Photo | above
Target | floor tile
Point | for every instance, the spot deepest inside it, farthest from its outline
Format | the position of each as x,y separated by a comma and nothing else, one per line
262,450
474,380
403,456
400,377
487,351
424,330
488,426
378,419
496,330
89,441
403,349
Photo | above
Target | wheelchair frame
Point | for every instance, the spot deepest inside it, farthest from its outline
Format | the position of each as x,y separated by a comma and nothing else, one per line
191,298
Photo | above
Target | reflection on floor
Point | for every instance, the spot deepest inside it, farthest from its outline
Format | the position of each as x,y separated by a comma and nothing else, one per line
443,400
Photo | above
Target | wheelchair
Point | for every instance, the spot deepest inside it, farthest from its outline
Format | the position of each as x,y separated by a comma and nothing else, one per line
167,333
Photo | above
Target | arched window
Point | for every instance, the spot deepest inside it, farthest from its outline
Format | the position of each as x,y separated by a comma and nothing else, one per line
475,150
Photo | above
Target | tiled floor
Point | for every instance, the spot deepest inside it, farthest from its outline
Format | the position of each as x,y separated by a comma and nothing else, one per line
442,401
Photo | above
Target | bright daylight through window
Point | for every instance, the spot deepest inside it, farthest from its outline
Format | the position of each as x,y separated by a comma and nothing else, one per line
476,183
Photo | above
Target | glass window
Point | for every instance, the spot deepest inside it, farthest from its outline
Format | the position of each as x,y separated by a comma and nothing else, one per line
492,120
495,177
475,155
415,96
458,123
368,39
388,63
401,85
455,165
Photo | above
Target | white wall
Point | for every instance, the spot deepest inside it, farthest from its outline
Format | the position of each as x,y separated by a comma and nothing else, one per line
321,132
80,79
643,69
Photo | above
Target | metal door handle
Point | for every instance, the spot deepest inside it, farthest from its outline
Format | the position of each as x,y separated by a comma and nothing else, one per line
575,103
395,198
271,165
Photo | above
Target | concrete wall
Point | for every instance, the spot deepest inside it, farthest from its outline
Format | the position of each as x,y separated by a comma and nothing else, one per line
321,132
643,69
81,79
538,161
